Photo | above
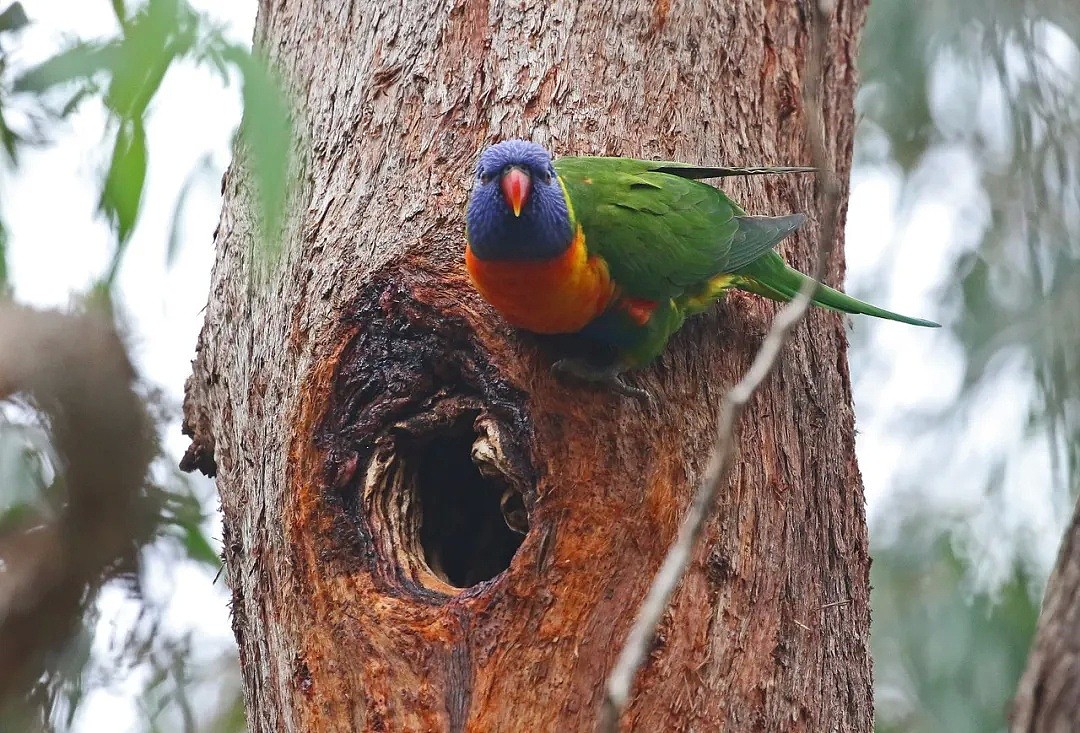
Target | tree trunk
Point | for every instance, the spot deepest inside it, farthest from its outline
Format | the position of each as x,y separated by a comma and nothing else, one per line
1048,699
377,430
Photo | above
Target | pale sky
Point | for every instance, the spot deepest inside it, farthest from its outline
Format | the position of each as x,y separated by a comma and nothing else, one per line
58,247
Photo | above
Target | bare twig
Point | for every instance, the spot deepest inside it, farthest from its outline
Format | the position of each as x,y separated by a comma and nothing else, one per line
636,647
75,370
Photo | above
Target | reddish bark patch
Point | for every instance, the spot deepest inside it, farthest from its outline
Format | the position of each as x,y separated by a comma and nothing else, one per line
425,447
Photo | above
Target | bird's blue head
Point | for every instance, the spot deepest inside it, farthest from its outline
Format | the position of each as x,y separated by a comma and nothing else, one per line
517,210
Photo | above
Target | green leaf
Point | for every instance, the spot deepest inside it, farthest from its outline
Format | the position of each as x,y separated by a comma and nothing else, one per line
198,547
268,136
155,37
8,139
13,18
81,61
19,515
122,193
119,11
953,656
182,516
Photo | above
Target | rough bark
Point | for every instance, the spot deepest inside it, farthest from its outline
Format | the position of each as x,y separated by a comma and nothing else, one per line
374,426
1048,698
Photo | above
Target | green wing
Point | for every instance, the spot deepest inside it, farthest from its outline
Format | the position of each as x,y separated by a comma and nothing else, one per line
687,170
661,232
758,235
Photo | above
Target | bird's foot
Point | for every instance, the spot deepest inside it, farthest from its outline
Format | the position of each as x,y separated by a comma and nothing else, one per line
608,376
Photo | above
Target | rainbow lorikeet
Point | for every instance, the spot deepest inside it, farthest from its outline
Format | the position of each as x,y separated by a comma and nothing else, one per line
621,251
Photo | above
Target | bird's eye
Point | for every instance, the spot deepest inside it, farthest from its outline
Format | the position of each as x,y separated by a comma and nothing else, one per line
549,176
485,177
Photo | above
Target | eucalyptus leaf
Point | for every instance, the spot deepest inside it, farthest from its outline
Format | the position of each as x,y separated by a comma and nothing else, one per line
267,135
9,140
19,516
80,62
946,658
121,195
213,53
153,39
198,547
13,18
119,11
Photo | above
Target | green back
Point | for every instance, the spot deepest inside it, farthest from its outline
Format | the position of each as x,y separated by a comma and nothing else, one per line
661,234
665,235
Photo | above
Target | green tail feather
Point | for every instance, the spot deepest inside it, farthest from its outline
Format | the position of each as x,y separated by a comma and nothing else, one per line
771,277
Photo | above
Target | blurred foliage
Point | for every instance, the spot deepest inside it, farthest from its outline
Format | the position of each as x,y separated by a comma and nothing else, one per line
954,650
32,484
992,86
12,19
998,80
125,73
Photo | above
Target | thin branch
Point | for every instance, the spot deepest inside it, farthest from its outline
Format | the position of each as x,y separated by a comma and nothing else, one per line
636,647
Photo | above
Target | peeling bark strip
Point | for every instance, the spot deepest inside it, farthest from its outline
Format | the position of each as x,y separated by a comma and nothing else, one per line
381,438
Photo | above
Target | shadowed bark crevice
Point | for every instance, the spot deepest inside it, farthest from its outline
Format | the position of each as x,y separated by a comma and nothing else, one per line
199,456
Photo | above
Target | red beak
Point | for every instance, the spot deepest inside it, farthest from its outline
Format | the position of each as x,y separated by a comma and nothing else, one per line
516,185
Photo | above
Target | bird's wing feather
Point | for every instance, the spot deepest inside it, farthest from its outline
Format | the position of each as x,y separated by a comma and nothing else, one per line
686,170
757,235
662,235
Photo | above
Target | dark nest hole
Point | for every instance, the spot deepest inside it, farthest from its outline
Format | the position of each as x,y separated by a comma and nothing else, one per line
446,501
428,448
465,518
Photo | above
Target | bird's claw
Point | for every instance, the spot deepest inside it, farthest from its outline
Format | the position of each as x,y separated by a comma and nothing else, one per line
606,376
629,390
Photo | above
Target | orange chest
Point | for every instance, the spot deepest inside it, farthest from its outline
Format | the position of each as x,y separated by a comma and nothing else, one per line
560,295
